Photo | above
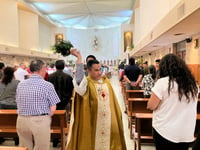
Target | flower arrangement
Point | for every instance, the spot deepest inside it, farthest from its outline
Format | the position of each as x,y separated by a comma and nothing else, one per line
63,48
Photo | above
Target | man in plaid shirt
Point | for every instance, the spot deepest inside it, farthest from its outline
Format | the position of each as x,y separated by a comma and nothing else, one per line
36,102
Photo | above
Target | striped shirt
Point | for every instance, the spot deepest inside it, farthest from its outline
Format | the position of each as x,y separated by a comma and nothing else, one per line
35,96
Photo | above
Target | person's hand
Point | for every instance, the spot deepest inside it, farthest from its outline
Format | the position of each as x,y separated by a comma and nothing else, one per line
51,114
133,83
75,52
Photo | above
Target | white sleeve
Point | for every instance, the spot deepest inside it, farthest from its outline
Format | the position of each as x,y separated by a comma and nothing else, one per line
160,88
82,87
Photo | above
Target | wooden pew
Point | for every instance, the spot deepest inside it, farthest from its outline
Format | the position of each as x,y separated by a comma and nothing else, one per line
143,129
59,127
136,105
132,94
12,148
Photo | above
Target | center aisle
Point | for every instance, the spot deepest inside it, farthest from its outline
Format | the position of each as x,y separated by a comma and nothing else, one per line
117,88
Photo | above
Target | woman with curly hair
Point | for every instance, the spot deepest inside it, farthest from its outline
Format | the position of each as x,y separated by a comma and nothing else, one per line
174,103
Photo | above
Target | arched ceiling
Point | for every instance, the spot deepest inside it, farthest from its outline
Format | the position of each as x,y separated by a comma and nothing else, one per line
85,13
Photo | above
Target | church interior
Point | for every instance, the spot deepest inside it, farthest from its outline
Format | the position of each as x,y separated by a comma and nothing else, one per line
113,31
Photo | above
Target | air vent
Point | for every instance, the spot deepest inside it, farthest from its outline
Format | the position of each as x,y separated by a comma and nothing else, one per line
177,34
181,11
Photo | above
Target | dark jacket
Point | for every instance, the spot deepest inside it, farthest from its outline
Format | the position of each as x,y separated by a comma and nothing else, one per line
63,86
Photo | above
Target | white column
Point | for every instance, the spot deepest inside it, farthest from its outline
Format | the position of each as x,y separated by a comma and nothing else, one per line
9,34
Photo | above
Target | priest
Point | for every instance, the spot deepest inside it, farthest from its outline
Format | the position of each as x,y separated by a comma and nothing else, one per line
96,119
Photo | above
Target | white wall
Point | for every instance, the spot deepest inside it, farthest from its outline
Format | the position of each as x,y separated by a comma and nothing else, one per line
28,30
157,54
9,23
137,35
45,34
149,14
192,52
109,41
19,34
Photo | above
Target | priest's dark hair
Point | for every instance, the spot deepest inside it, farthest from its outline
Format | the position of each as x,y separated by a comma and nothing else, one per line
90,63
175,68
90,56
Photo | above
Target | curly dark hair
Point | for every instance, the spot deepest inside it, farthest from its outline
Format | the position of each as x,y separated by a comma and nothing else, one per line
176,69
8,75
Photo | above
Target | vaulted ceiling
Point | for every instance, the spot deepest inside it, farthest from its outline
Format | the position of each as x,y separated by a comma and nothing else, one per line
85,13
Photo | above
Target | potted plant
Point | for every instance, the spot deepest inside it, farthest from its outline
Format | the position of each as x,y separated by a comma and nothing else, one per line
63,48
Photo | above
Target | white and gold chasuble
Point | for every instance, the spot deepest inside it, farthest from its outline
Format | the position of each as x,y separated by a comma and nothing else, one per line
96,120
102,139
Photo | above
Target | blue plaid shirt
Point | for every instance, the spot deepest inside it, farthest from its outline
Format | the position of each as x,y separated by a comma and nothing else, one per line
35,96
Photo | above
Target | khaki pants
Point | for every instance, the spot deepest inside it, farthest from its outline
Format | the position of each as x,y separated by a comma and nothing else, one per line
34,132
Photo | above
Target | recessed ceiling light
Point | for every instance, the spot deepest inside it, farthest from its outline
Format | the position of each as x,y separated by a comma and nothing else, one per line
177,34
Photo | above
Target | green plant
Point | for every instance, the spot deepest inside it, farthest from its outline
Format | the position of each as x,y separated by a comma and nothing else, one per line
63,48
132,46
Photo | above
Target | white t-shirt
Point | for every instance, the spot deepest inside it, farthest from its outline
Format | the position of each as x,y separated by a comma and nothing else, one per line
20,74
174,119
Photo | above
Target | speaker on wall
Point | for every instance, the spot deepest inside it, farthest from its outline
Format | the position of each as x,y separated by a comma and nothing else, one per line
188,40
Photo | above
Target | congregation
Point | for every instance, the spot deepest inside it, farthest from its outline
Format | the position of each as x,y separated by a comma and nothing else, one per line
37,91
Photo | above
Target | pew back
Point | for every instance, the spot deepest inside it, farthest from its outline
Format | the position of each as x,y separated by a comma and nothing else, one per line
59,126
12,148
143,128
136,105
134,94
